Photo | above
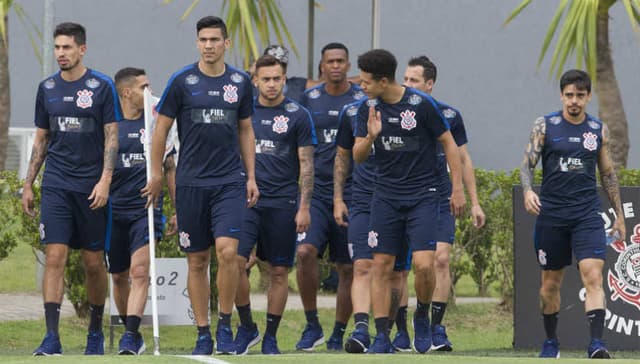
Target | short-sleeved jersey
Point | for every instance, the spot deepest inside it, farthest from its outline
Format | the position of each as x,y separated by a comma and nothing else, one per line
280,130
569,160
130,174
325,110
207,110
459,133
75,114
364,174
406,148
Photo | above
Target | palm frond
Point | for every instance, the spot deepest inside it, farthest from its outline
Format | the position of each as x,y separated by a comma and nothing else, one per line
33,32
552,29
516,11
4,10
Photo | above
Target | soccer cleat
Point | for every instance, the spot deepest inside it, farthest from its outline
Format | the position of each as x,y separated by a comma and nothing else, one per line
358,341
402,342
422,335
550,349
334,343
381,345
95,343
50,345
270,345
224,341
439,339
204,345
597,350
312,336
131,343
246,338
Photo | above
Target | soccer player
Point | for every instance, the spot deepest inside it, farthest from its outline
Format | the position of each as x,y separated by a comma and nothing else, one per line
212,104
128,253
285,139
405,126
421,74
325,102
571,144
76,117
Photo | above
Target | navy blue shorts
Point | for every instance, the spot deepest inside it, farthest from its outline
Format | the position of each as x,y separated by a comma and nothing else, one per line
324,231
396,223
446,222
273,229
128,234
556,239
358,230
65,217
207,213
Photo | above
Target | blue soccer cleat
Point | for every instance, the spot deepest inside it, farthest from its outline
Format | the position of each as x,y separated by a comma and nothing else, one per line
204,345
245,339
402,342
358,341
440,340
270,345
597,350
224,341
422,335
131,343
334,343
550,349
381,345
50,345
95,344
312,336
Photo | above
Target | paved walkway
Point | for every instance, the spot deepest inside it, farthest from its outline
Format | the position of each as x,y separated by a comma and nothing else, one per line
15,306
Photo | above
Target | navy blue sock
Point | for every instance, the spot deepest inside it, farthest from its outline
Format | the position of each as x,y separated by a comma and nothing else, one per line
401,319
133,323
273,321
95,322
361,320
224,319
338,329
596,323
421,310
244,312
52,316
312,317
437,312
550,324
382,325
204,330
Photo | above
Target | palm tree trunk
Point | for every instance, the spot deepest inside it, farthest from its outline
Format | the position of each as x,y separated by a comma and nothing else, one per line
5,97
611,110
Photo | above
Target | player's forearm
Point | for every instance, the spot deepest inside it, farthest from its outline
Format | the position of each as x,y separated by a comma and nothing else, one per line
532,154
170,175
469,179
110,151
362,148
248,150
305,155
38,155
526,175
340,171
453,160
158,143
609,181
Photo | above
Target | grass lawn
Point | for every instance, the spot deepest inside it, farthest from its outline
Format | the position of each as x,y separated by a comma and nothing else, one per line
18,270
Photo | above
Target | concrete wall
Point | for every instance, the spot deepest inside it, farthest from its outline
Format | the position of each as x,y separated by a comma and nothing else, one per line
488,72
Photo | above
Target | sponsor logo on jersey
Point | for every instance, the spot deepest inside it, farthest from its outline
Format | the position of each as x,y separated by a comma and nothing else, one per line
593,125
230,93
49,84
624,283
92,83
574,140
191,79
449,113
314,94
213,93
68,99
571,164
393,120
280,124
67,123
352,111
372,239
415,99
236,77
408,119
358,95
133,135
84,100
291,107
329,135
265,146
211,116
590,142
542,257
333,112
185,242
131,159
301,236
555,120
266,122
392,142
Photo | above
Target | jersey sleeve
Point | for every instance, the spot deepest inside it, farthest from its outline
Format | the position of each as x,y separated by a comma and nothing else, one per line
246,103
458,130
111,111
41,117
435,121
345,138
171,100
305,130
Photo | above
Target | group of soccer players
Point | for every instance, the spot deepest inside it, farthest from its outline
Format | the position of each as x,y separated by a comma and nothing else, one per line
261,165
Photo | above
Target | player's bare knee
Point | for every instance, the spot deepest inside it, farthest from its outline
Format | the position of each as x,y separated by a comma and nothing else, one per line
592,279
197,262
361,270
279,275
120,279
306,254
441,262
139,273
423,267
345,271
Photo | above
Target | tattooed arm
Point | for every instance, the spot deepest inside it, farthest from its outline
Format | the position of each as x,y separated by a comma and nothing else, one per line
100,193
531,157
303,217
609,181
38,155
340,171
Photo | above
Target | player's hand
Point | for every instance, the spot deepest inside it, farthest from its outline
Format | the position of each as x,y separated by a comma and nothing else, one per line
99,195
374,124
152,191
27,200
477,216
172,225
303,219
340,212
251,262
532,202
457,202
252,193
618,228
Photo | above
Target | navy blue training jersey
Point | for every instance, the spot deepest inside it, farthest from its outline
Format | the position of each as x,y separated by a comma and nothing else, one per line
364,174
280,131
569,160
459,134
207,110
75,114
406,149
325,110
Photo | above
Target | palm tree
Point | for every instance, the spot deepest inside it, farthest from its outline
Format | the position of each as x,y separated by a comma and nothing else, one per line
585,32
245,19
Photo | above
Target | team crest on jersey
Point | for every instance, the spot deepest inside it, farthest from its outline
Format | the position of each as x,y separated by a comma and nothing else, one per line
280,124
624,284
358,95
143,136
593,125
236,77
542,257
352,111
408,119
449,113
414,99
555,120
590,142
185,242
314,94
301,236
191,79
372,240
84,99
49,84
230,93
92,83
41,229
291,107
